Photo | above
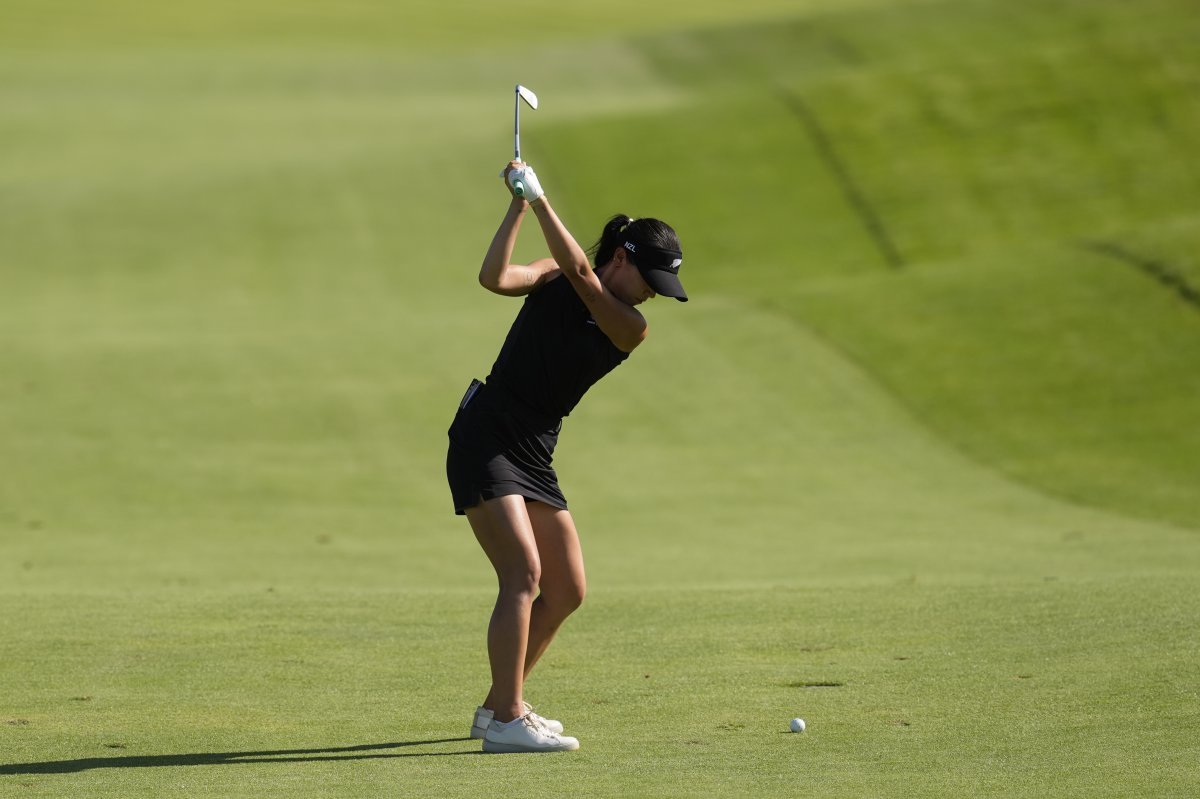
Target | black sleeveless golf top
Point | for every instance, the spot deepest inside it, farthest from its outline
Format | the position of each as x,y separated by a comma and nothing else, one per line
553,354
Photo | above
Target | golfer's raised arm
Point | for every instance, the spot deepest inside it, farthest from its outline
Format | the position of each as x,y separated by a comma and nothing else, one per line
498,274
625,326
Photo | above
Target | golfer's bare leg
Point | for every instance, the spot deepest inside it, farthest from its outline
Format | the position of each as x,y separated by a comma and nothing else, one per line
563,581
563,584
503,528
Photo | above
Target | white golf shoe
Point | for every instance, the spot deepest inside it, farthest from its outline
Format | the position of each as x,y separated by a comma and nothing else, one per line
525,735
483,717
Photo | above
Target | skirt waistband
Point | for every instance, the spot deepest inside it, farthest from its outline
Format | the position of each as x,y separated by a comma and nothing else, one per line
497,397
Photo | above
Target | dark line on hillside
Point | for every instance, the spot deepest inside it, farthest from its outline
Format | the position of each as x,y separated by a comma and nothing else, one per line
837,165
1159,271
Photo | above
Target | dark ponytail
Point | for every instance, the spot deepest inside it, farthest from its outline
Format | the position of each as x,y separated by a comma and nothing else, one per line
612,238
621,228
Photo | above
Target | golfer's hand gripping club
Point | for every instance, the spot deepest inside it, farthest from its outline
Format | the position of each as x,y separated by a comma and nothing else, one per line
524,181
520,179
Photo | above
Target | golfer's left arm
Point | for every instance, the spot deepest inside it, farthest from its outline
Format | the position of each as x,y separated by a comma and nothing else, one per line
624,325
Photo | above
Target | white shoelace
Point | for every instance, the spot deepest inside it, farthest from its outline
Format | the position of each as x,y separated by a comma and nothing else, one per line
541,721
539,725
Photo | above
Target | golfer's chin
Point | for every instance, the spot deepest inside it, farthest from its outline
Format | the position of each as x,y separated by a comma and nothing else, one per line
631,300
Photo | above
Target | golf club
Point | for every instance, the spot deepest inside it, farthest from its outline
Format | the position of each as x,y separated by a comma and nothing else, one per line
530,98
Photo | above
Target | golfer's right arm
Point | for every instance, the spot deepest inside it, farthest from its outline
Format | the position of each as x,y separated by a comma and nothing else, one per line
501,276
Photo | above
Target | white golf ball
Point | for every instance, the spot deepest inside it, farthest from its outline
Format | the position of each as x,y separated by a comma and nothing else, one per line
798,725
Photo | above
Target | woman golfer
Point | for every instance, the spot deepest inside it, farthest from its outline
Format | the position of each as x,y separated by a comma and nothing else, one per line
576,325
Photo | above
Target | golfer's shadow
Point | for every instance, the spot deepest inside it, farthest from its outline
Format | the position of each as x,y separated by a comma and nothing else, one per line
360,752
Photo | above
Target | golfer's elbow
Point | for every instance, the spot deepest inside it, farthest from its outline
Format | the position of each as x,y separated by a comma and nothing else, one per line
576,266
490,277
628,340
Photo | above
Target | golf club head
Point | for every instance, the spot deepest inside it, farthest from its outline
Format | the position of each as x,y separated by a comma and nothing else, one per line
528,96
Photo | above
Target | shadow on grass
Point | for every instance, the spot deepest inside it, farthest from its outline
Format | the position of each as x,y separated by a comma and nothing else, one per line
361,752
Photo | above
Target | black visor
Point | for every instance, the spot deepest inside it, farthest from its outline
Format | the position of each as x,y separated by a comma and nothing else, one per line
659,267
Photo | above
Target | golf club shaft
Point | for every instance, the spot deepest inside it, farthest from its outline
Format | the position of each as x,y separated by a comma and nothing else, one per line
518,186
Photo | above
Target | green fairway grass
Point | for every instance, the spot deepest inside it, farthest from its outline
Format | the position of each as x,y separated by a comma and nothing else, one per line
332,693
918,462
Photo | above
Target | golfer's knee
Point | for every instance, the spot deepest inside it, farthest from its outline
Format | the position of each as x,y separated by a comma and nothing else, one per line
521,583
565,600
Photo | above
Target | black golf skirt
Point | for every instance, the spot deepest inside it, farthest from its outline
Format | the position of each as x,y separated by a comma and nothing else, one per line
498,448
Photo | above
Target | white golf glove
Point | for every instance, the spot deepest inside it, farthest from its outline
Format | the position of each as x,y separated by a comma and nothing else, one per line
530,189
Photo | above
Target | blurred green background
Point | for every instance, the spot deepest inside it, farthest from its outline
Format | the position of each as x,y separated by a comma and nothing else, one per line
938,391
